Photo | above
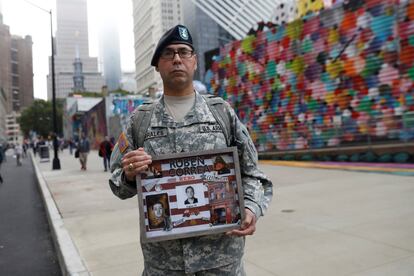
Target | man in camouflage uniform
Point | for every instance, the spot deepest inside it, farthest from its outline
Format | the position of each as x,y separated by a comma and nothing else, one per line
181,121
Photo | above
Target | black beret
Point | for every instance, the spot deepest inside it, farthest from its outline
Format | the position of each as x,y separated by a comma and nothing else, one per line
176,35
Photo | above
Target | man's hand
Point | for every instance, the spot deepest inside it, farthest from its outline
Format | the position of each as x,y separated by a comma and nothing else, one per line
135,162
248,226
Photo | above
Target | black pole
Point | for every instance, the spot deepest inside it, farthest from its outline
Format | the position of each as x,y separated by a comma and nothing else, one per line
56,162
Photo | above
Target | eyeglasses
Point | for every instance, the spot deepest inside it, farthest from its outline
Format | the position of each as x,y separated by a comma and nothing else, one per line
182,53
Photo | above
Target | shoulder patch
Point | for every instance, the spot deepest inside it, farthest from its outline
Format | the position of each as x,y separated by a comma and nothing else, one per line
122,143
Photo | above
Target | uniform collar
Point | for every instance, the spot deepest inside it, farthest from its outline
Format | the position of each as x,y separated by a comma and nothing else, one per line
199,113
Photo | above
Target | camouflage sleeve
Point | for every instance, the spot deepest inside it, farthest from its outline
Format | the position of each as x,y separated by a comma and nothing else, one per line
257,187
119,185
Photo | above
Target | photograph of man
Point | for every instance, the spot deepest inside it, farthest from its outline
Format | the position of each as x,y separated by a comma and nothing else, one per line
221,166
190,196
158,219
158,210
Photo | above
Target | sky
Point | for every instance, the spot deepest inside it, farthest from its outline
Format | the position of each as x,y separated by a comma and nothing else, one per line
25,19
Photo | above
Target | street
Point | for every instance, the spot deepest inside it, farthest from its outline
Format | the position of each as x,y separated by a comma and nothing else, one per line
26,246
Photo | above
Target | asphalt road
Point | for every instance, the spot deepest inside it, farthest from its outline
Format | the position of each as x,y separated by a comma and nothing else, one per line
26,246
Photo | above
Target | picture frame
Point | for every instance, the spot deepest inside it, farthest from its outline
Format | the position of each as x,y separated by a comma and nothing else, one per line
190,194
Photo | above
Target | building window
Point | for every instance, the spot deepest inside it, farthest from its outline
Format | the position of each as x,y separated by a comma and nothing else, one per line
15,69
15,81
15,94
14,56
16,106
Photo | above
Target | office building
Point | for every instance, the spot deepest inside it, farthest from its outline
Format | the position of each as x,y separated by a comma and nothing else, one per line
206,33
238,17
16,69
3,136
109,51
151,20
72,49
21,73
12,127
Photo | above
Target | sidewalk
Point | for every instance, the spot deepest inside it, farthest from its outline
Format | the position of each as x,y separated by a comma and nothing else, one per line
321,222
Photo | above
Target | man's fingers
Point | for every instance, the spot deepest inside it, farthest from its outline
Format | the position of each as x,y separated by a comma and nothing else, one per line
245,232
137,161
131,174
130,154
247,227
136,158
141,169
246,222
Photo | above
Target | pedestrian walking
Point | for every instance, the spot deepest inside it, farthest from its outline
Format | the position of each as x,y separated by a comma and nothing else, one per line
18,151
183,120
71,146
105,151
84,149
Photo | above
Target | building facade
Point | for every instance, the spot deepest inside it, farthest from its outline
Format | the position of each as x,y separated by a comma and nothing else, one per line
238,17
12,127
16,69
3,136
5,62
109,51
21,73
72,45
151,20
206,34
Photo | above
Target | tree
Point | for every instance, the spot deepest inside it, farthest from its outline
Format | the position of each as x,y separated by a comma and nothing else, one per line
39,118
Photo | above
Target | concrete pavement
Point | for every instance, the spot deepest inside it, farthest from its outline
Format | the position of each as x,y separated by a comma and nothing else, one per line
321,222
26,245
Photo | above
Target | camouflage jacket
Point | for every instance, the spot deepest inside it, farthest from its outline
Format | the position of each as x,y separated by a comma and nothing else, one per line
198,131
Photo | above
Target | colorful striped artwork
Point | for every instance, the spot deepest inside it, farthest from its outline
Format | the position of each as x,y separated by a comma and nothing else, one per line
343,77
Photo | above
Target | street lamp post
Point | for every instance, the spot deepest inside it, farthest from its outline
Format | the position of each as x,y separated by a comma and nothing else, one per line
56,161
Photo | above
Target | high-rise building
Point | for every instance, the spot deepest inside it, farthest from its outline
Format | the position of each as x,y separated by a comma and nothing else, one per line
5,63
12,127
3,136
21,72
71,43
151,20
206,34
109,51
1,12
16,69
238,17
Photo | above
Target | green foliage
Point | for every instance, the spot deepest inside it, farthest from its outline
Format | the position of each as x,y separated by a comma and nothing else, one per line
401,157
120,91
87,94
39,117
355,157
385,158
369,157
306,157
342,158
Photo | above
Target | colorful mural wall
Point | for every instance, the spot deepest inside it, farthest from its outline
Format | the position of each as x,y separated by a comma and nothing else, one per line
344,77
94,124
119,109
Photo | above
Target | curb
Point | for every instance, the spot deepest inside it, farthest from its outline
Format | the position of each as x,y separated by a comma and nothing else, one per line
70,261
350,167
